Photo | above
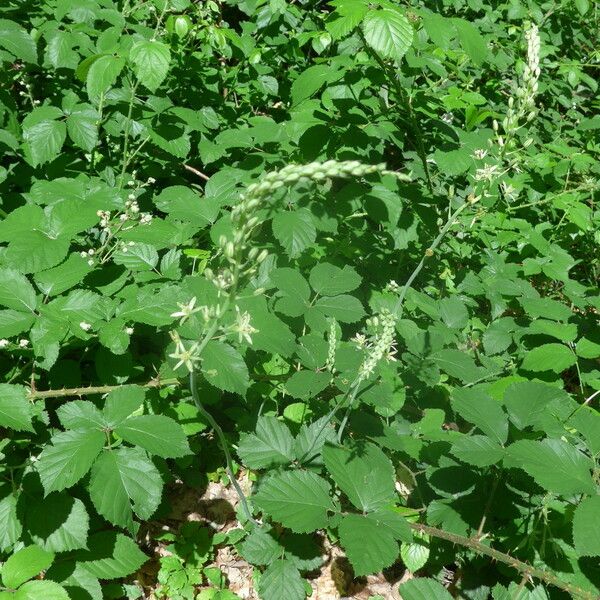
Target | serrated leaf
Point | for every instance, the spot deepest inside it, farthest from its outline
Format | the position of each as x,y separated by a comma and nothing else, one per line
527,401
586,527
295,230
80,414
282,581
307,384
270,445
329,280
414,555
344,308
17,41
111,555
151,62
260,548
369,547
137,257
13,322
224,367
299,500
156,434
555,465
478,408
48,590
478,450
44,141
15,409
68,458
123,477
186,205
311,438
364,473
549,357
58,523
10,523
122,402
423,588
102,75
25,564
388,32
82,126
63,277
16,291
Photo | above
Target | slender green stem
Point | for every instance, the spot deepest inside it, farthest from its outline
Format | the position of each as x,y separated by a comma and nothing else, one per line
126,134
224,447
507,559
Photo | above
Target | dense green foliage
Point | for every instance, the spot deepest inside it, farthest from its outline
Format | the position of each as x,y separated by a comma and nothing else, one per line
357,241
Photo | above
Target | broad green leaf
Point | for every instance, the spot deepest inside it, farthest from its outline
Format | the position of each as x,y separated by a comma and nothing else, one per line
549,357
282,581
527,401
111,555
344,308
478,450
35,251
44,140
454,313
13,322
364,473
57,523
122,402
311,438
63,277
150,62
270,445
16,292
48,590
25,564
586,527
137,257
369,547
10,523
260,548
82,126
471,41
588,347
329,280
294,291
388,32
351,14
295,230
224,367
122,477
299,500
156,434
476,407
307,384
311,80
546,308
17,41
458,364
414,555
68,458
555,465
80,414
423,588
185,204
102,75
15,409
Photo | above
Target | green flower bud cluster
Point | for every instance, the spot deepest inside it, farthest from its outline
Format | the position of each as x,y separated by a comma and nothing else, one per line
381,344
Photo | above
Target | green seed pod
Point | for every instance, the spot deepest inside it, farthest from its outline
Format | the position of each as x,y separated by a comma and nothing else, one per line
179,25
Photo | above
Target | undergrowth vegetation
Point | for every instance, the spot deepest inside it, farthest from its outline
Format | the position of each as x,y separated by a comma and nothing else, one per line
340,256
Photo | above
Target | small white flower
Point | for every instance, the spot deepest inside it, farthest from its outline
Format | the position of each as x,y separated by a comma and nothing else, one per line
242,326
151,180
4,343
487,172
131,182
480,154
83,254
187,357
145,218
186,310
131,197
85,326
123,217
135,208
129,330
23,343
91,262
448,118
91,252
